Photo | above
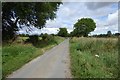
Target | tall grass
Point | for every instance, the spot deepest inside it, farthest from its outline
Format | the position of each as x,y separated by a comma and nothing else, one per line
94,57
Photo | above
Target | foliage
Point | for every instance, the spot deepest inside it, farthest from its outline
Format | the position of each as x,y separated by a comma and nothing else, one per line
24,13
83,26
50,38
85,63
33,38
23,35
117,34
63,32
45,36
109,33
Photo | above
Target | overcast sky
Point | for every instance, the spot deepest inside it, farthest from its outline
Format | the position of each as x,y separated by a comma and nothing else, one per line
105,14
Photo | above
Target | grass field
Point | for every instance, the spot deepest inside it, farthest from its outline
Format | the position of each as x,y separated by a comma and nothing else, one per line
94,57
17,54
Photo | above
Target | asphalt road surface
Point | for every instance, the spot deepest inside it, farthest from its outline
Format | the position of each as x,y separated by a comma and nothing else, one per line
54,63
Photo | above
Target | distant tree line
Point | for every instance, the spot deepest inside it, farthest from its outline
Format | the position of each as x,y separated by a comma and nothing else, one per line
81,28
64,33
107,35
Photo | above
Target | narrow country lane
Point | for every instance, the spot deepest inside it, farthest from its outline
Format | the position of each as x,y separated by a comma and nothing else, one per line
54,63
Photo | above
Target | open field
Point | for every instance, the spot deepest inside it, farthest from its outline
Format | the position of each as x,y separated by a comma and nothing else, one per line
17,54
94,57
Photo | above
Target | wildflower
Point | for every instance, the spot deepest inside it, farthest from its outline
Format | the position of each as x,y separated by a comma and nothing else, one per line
97,55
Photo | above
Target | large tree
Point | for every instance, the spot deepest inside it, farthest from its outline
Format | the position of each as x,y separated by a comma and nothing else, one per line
26,13
63,32
84,26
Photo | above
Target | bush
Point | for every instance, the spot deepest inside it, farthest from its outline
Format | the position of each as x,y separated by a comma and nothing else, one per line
33,38
44,36
47,37
51,38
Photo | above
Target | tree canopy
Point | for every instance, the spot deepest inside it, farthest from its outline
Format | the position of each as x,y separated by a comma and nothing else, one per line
84,26
63,32
109,33
26,13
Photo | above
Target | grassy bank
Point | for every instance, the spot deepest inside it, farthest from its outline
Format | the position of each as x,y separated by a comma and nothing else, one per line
17,54
94,57
0,62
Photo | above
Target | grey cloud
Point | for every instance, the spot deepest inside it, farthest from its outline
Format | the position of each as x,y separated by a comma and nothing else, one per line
97,5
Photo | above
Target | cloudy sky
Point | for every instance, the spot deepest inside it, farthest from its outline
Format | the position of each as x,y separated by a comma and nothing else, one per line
105,14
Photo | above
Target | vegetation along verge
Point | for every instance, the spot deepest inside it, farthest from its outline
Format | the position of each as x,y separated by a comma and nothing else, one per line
17,54
94,57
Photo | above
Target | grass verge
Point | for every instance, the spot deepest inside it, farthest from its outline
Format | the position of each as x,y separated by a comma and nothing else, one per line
16,55
94,57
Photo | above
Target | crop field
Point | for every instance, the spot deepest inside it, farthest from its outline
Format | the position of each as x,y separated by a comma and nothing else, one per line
17,54
94,57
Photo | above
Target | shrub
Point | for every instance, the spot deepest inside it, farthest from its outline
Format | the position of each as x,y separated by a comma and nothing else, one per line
33,38
44,36
47,37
